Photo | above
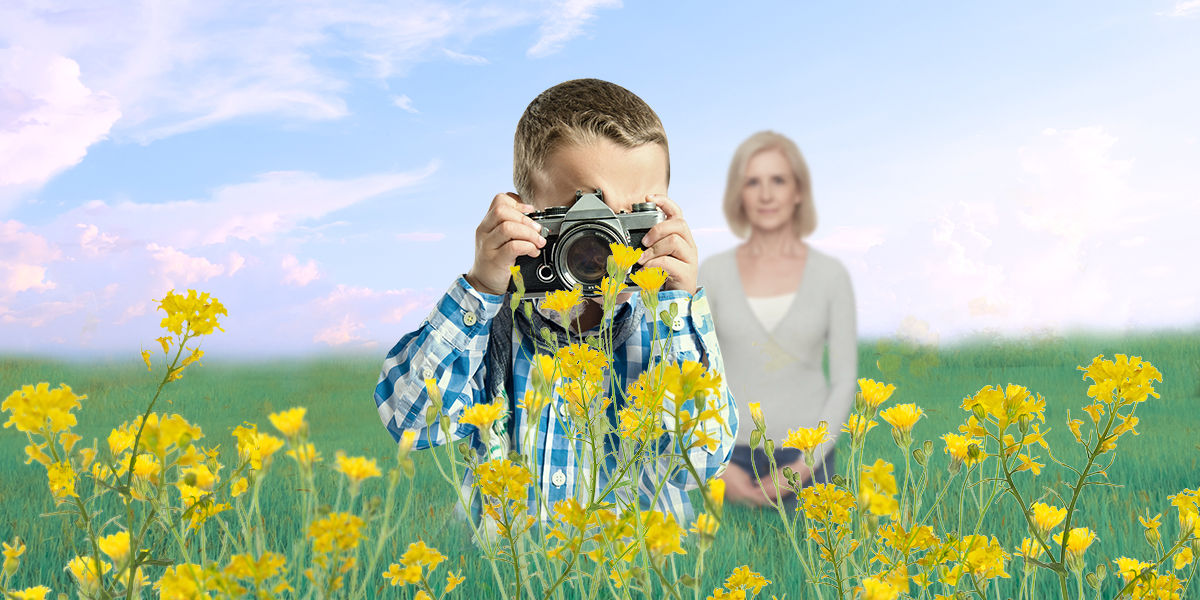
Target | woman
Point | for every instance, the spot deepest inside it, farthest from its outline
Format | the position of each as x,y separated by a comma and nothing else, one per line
778,304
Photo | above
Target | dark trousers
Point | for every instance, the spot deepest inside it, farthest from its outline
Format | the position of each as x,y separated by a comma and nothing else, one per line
742,457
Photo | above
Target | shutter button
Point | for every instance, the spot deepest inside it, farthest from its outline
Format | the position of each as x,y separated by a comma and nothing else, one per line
559,478
469,319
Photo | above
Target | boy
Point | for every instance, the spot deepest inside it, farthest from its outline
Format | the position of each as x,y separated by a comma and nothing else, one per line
584,134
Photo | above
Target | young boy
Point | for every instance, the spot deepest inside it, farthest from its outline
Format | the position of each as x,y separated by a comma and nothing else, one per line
584,134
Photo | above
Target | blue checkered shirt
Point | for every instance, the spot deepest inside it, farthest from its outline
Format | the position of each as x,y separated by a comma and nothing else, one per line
451,345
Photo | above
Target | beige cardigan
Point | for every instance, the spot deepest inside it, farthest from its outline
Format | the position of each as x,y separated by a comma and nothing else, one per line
782,369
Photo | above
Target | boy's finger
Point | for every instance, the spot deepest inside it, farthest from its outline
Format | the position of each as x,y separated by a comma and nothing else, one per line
514,248
672,245
512,230
668,206
666,228
502,214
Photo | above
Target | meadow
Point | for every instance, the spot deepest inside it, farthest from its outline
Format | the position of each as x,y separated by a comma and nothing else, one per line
222,394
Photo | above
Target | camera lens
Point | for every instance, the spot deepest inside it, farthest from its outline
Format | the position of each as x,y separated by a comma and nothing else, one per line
585,257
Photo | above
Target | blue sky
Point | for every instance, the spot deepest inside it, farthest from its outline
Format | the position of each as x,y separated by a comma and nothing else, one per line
980,168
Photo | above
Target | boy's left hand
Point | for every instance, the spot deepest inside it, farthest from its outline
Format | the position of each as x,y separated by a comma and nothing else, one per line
669,246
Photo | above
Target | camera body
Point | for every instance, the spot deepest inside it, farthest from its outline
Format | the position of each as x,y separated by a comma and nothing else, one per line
577,245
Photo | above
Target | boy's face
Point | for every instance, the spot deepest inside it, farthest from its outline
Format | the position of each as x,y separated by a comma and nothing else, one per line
625,175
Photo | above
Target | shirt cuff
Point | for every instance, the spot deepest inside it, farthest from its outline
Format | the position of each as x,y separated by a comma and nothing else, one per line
464,314
690,329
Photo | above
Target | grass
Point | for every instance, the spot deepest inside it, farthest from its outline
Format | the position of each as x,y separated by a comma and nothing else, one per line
337,392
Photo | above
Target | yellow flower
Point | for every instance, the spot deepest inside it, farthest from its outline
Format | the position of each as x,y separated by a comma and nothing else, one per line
581,361
239,487
610,288
305,454
1129,568
356,468
1151,525
33,593
289,422
562,301
340,531
503,479
1047,517
534,401
192,314
399,575
1129,379
147,467
858,426
982,557
87,572
62,480
420,554
806,439
756,414
716,493
1183,558
874,393
705,525
255,446
452,581
874,588
146,359
244,566
650,280
184,581
877,488
746,580
959,448
1078,540
33,452
1006,406
1030,548
663,534
624,256
1029,463
827,502
902,417
482,415
115,547
33,408
12,556
165,342
544,370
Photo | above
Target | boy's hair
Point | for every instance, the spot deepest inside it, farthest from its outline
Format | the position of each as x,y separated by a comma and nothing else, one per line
580,111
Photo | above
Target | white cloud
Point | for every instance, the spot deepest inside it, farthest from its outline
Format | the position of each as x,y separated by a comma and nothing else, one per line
93,242
259,210
236,262
466,59
295,273
420,236
405,103
341,333
178,269
48,117
563,21
1183,8
26,255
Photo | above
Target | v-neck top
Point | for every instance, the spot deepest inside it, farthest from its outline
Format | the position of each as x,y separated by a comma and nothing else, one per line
780,367
769,310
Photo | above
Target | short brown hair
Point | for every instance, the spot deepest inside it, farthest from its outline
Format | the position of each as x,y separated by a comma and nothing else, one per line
805,218
580,111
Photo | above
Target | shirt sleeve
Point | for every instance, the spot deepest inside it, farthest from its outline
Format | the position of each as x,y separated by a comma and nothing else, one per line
690,335
843,358
449,347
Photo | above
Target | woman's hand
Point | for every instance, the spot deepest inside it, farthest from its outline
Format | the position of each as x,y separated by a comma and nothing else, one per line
740,488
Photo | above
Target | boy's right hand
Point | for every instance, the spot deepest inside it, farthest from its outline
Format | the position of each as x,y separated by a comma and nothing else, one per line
504,234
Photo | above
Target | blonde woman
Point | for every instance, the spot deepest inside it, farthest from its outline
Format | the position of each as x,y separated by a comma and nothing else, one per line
778,305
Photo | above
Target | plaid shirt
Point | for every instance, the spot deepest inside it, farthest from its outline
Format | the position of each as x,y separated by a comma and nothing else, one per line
450,347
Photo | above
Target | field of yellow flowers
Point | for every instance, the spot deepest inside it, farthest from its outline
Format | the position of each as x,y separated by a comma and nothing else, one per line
274,480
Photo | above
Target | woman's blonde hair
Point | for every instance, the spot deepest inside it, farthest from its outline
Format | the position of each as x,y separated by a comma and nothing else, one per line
805,219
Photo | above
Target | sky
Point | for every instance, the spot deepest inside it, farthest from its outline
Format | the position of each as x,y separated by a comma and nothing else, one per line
982,169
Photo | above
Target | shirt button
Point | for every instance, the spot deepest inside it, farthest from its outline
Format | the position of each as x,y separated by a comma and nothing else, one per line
559,478
469,319
428,373
677,324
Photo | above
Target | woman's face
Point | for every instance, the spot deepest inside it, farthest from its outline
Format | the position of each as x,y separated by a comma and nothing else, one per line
770,195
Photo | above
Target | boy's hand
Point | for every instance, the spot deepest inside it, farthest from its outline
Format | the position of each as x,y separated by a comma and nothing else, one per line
669,245
504,234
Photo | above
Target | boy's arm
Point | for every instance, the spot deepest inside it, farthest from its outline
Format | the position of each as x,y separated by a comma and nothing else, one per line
690,335
449,347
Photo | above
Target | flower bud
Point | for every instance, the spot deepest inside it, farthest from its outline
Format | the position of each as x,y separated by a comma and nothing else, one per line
1092,581
980,412
770,446
755,438
918,455
1023,424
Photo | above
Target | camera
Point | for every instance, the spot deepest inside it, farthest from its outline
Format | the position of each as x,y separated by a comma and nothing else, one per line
577,243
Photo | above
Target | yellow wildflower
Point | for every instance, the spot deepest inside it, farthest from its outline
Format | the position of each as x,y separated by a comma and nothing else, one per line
544,370
858,426
12,556
902,417
959,448
1151,525
873,393
420,554
32,409
581,361
1129,379
806,439
503,479
32,593
165,342
1047,517
650,280
356,468
147,467
289,422
115,547
1129,568
716,493
192,314
610,288
562,301
62,480
255,446
534,401
146,359
1029,463
482,415
305,454
87,572
663,534
827,502
877,488
705,525
1187,502
1077,541
1183,558
1007,405
1030,548
624,256
452,581
340,531
746,580
756,414
33,452
184,581
400,575
874,588
239,487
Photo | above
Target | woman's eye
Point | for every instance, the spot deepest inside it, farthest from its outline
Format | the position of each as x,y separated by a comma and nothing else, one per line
751,182
777,180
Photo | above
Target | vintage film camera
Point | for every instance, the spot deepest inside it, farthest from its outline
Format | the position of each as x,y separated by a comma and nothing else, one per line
577,245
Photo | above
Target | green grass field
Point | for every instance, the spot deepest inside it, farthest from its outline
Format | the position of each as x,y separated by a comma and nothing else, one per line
337,392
